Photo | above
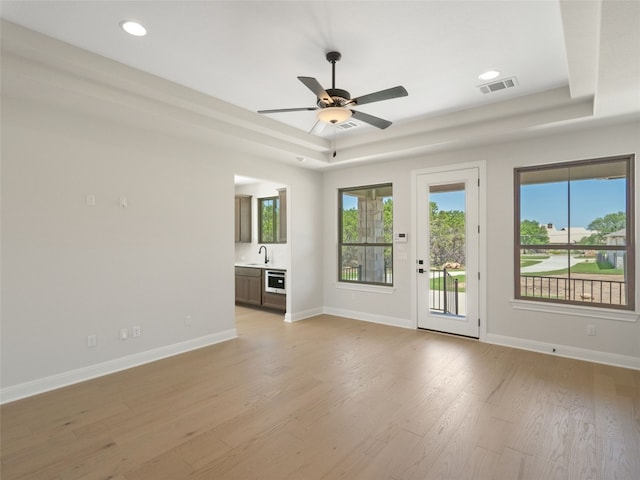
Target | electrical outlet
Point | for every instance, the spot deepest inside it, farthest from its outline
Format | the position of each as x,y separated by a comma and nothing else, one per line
136,331
187,321
92,340
124,333
591,330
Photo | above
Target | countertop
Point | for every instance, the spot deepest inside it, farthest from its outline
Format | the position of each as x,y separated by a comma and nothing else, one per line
267,266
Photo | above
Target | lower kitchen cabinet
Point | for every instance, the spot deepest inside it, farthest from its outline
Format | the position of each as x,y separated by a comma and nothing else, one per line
250,290
274,300
249,285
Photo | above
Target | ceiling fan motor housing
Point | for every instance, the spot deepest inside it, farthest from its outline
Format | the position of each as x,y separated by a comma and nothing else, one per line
338,96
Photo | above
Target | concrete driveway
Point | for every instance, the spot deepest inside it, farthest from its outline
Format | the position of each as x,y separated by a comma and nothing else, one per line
554,262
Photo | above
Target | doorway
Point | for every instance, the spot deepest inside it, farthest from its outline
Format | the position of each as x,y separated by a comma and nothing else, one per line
447,248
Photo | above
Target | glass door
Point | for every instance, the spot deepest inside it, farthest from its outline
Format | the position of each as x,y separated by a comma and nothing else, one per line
448,235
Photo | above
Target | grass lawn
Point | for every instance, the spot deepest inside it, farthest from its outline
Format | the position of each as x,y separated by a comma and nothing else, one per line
528,263
437,283
584,267
528,260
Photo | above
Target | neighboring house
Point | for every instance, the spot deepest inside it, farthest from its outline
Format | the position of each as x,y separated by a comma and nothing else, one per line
616,258
560,236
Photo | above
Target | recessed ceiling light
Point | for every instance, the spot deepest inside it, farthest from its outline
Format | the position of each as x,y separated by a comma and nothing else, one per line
133,28
489,75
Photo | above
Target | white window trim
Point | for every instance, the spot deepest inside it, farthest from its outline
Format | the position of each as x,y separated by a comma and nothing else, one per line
364,287
576,310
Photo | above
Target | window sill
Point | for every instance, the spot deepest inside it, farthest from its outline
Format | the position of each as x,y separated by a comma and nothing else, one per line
577,310
366,288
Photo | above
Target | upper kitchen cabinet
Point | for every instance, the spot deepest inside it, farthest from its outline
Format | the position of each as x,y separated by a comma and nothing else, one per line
272,218
282,233
243,218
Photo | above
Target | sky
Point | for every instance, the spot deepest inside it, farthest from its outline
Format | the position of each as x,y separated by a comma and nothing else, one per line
590,199
547,203
447,201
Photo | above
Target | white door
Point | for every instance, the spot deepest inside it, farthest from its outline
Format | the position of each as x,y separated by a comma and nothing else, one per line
447,252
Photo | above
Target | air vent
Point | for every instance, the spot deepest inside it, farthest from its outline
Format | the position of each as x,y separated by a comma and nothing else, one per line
499,85
347,125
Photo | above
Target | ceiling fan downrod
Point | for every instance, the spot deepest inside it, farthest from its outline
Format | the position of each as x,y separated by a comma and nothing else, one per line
332,58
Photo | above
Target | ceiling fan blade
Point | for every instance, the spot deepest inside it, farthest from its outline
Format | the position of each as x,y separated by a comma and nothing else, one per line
387,94
371,120
281,110
313,85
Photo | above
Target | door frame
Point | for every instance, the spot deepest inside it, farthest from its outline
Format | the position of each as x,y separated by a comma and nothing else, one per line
482,239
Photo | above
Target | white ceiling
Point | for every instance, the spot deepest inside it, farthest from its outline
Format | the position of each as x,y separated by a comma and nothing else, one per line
564,54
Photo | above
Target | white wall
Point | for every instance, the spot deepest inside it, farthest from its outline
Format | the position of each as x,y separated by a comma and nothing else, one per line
70,270
617,341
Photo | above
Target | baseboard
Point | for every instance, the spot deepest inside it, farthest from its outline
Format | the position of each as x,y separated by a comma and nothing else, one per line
53,382
368,317
577,353
302,315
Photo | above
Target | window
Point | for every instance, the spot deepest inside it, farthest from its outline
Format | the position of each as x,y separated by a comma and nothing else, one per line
269,220
365,243
574,233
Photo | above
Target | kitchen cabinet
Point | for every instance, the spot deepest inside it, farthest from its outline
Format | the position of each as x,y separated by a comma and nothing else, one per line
276,301
282,230
243,218
250,290
249,285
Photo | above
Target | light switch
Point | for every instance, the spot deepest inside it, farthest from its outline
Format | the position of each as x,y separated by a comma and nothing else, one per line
123,202
91,200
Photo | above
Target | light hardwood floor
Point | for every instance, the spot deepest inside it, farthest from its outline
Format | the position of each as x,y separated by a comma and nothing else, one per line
331,398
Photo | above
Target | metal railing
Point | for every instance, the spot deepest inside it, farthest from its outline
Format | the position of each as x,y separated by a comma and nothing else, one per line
354,274
351,273
444,292
608,292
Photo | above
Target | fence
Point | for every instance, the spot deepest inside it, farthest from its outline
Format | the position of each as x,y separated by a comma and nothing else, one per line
444,292
606,292
354,274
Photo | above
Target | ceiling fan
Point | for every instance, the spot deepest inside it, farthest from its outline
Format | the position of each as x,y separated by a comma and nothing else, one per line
333,104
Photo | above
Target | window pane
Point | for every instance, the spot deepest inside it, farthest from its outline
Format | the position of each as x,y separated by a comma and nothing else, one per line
544,274
447,219
350,218
366,235
269,210
544,207
588,277
367,215
598,204
367,264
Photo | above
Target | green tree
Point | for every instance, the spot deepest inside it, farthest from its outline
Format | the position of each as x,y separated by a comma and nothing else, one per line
349,235
267,234
447,235
603,226
532,233
388,220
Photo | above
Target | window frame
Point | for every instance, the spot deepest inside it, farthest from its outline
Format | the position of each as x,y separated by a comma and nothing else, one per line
365,244
629,248
276,220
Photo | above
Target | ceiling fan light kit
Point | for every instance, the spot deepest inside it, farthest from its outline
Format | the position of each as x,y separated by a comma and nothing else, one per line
332,104
334,115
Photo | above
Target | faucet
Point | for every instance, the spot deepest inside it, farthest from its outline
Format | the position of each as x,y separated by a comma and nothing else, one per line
266,259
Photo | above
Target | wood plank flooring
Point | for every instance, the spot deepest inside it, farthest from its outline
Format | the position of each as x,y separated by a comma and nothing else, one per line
332,398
